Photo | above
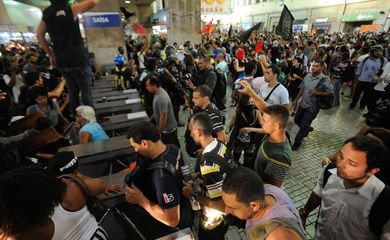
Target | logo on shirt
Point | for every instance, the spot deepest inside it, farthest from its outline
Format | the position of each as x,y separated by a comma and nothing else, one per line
60,13
168,197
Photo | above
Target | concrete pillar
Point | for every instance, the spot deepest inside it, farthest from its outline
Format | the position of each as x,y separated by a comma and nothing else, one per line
144,13
104,42
4,18
183,21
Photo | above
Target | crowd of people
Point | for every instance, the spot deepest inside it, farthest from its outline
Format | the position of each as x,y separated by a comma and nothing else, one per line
241,162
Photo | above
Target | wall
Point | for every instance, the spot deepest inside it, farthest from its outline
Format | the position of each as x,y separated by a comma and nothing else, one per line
104,42
183,20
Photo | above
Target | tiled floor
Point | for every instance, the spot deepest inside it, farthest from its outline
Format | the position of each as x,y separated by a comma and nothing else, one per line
331,129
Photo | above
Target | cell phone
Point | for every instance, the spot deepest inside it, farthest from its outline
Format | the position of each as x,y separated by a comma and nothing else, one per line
238,86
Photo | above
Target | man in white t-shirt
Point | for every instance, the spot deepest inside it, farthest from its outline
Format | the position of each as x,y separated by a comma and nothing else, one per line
271,91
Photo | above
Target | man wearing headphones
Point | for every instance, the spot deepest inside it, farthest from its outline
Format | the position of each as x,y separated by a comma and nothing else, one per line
367,70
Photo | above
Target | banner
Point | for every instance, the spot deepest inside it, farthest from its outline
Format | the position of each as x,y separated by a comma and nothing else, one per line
284,28
215,7
101,19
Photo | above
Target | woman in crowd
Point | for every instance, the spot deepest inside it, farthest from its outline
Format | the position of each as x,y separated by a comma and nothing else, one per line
245,116
27,200
47,107
294,78
72,217
90,130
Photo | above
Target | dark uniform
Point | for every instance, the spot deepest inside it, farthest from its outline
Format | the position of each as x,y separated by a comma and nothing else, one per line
163,188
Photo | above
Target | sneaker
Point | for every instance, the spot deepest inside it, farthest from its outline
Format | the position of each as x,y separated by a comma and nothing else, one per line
295,146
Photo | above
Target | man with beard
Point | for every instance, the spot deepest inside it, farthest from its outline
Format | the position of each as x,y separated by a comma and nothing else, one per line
350,193
268,210
273,92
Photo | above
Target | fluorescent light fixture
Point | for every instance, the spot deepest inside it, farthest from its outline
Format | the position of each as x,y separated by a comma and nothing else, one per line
127,2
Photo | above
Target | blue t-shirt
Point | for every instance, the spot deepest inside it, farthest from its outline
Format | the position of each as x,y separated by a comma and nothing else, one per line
96,131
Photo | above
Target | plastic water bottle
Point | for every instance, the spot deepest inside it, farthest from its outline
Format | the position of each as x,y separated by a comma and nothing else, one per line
185,170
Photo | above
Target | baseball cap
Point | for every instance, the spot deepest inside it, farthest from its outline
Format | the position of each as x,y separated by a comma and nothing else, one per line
63,163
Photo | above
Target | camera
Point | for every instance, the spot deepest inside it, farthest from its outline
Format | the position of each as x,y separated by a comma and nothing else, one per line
186,78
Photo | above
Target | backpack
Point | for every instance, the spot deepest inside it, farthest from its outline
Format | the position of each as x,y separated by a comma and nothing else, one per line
348,73
324,102
377,217
220,87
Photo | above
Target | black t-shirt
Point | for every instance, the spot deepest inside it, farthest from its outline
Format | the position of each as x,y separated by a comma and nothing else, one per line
160,186
259,69
64,32
163,188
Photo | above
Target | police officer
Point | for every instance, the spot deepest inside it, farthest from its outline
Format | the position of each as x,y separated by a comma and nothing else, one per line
158,189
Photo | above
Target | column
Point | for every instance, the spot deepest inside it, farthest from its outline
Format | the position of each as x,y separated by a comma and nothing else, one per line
183,21
104,42
4,18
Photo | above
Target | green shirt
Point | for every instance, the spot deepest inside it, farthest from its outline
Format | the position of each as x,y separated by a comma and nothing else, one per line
273,160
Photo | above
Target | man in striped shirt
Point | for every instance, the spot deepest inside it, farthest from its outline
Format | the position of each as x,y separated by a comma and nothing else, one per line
274,157
211,175
201,99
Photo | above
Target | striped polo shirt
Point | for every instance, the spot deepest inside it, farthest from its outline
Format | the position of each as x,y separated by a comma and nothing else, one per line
273,160
211,173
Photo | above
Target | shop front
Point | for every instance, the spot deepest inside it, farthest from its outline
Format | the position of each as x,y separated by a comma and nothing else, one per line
322,25
354,21
300,25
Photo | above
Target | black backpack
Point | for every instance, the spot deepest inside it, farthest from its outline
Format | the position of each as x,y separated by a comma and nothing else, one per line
378,215
324,102
348,73
220,87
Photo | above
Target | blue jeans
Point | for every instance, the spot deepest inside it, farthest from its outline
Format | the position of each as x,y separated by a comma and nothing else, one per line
78,80
303,118
336,91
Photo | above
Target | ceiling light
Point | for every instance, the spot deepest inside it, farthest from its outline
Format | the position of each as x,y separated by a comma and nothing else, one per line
127,2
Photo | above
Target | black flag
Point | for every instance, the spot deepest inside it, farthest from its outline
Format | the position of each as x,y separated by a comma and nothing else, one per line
230,31
243,37
126,13
285,24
